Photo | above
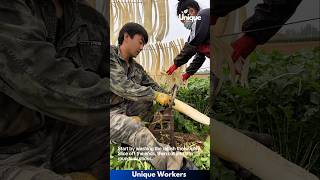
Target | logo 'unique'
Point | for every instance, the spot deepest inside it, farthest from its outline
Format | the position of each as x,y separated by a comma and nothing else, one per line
183,17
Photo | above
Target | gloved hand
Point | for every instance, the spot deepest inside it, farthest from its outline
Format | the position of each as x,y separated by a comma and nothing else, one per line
213,20
136,119
243,47
162,98
185,76
172,69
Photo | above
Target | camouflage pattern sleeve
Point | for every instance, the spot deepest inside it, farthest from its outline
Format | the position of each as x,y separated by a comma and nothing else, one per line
148,81
31,74
122,86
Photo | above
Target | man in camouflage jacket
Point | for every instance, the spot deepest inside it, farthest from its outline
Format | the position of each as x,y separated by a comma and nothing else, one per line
133,92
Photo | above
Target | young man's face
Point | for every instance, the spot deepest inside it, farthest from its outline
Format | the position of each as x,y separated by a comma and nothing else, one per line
133,45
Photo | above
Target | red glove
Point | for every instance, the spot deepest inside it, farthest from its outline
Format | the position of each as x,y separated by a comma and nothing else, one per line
213,20
185,76
171,69
243,47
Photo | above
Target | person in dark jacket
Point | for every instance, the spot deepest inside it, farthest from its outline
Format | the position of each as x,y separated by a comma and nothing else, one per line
269,13
54,90
198,41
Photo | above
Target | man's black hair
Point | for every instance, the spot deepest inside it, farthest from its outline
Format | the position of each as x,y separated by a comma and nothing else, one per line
185,4
133,29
